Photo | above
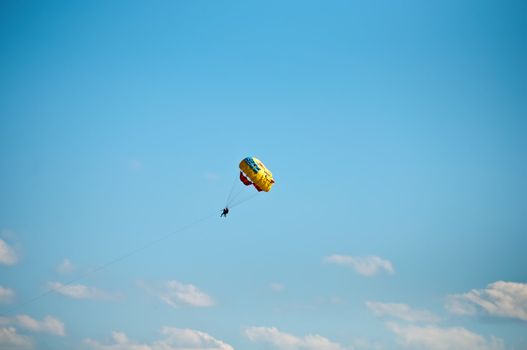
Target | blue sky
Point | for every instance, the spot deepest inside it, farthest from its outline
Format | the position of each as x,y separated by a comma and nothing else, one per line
395,132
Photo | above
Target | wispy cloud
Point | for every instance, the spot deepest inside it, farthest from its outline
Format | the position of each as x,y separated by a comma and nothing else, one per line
364,265
11,340
499,299
7,295
437,338
65,267
173,339
175,294
401,311
179,338
179,293
277,287
80,291
286,341
49,325
8,255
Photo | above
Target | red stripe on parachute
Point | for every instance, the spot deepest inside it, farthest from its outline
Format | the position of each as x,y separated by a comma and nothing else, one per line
245,180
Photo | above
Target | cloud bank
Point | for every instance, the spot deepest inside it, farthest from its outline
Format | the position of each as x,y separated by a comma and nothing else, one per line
174,339
11,340
499,299
286,341
437,338
49,324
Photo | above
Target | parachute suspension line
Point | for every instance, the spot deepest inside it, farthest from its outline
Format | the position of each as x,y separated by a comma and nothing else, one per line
229,197
239,186
239,190
105,265
243,200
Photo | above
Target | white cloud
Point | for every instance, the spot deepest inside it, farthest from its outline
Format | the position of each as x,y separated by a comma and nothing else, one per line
79,291
174,339
366,266
65,267
8,256
436,338
48,325
187,294
277,287
11,340
175,293
119,342
178,338
401,311
7,295
286,341
499,299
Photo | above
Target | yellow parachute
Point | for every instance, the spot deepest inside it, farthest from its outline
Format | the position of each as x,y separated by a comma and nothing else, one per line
252,173
252,169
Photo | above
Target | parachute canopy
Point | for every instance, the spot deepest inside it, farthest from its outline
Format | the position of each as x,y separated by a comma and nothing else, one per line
253,172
